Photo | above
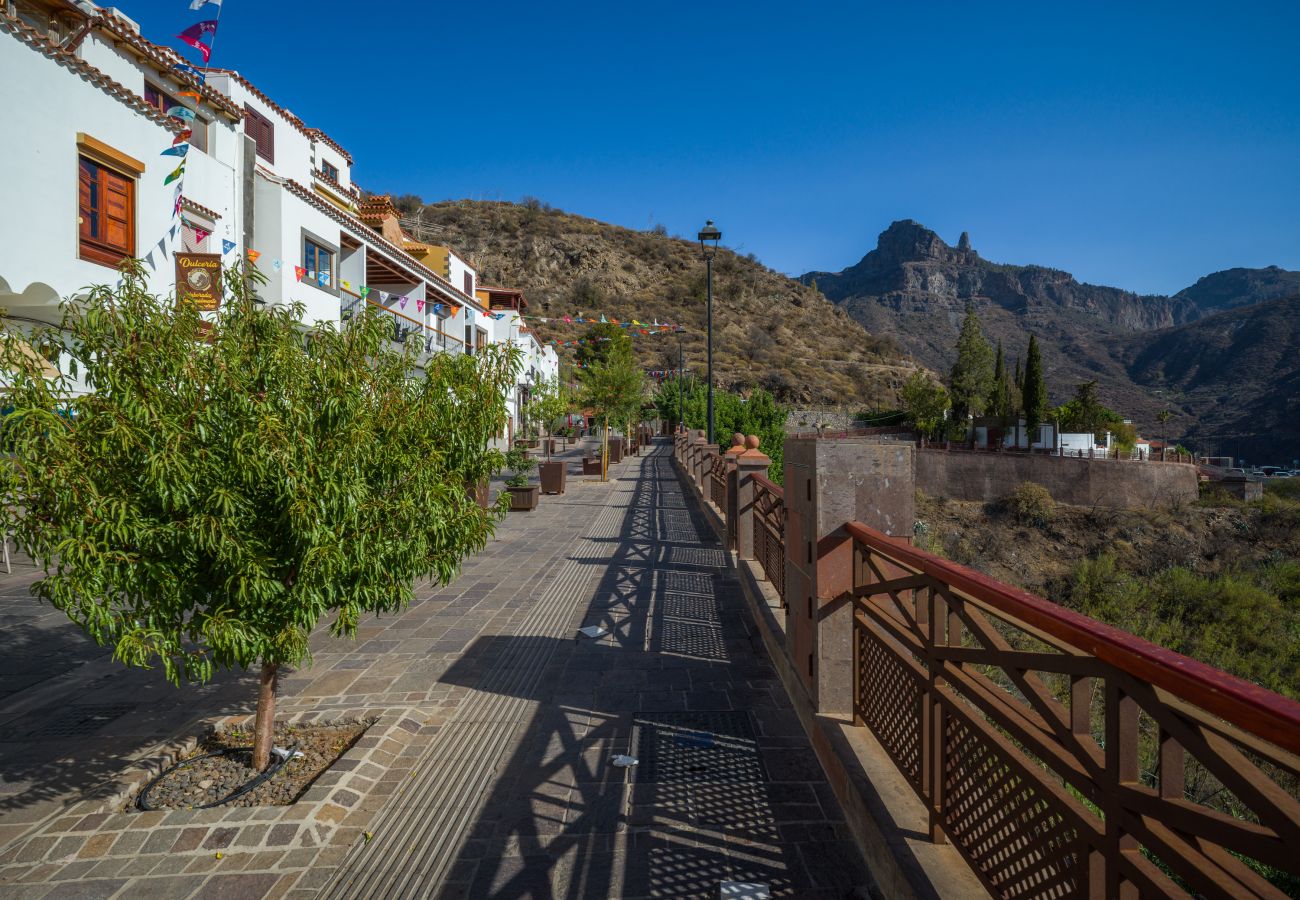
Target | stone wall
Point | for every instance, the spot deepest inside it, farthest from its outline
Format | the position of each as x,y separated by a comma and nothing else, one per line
1079,482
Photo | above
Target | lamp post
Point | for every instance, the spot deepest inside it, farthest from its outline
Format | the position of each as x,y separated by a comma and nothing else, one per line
709,238
681,388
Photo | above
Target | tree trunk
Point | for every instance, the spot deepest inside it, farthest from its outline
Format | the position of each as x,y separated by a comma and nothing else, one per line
264,729
604,455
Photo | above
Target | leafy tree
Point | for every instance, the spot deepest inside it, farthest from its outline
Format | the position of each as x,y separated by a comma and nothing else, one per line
1033,389
1085,412
227,485
758,414
550,402
971,379
926,401
613,387
668,400
1001,400
599,341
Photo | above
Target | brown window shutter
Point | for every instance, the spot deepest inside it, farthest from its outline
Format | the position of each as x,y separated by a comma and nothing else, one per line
119,225
86,209
469,283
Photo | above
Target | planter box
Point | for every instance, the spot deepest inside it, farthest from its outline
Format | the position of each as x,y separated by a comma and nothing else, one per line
548,446
553,476
524,499
615,452
591,466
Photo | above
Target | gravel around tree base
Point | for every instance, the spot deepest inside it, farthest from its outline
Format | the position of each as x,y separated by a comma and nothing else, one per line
206,781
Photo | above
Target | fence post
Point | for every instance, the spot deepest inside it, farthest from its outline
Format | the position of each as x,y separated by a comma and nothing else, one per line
748,464
827,484
729,480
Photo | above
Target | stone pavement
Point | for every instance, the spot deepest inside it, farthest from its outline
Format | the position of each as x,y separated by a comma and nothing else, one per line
487,771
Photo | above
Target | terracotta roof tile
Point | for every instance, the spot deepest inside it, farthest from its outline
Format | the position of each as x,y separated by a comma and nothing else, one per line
43,45
312,133
187,203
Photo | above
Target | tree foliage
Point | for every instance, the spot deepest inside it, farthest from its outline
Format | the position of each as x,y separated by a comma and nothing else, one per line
1033,390
971,379
599,342
550,402
226,486
1002,401
613,386
758,414
925,401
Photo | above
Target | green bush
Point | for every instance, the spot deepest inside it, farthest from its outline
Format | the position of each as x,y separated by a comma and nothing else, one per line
1030,504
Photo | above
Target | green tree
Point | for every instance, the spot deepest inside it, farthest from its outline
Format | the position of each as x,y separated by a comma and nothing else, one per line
758,414
926,401
550,402
599,341
227,485
971,379
613,388
1033,390
1084,412
1001,399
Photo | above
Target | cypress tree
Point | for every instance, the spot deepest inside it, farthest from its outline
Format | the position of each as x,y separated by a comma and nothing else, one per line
971,378
1000,397
1033,390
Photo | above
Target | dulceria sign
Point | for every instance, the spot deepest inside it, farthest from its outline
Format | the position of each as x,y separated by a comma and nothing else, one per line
198,280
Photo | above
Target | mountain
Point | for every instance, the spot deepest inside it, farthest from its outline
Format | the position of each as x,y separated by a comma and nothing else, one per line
769,330
1236,376
914,288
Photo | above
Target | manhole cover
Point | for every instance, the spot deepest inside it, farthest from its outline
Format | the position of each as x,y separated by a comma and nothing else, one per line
77,721
687,747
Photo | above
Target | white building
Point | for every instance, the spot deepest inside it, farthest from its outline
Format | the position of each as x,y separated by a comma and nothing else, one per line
86,132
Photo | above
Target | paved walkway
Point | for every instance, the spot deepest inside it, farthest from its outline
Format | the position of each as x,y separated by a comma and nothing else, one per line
496,780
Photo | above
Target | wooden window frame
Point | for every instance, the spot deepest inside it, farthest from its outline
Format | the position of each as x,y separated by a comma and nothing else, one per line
263,126
321,244
329,170
469,283
126,168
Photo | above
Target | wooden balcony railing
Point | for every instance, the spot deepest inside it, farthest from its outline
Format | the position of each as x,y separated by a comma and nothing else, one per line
769,532
1064,757
433,339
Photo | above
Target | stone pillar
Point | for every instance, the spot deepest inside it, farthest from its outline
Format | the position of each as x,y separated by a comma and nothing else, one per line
703,466
729,512
741,499
827,484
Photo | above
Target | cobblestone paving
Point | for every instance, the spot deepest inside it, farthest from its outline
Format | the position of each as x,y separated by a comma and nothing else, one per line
488,771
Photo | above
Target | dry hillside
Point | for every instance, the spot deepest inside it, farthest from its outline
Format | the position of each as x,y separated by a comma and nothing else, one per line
769,330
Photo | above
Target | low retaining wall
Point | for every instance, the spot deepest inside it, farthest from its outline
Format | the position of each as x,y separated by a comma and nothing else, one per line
1079,482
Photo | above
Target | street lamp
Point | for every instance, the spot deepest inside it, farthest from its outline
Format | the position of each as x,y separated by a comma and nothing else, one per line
681,389
709,238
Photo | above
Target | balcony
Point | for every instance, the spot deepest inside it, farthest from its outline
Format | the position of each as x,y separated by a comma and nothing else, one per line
405,328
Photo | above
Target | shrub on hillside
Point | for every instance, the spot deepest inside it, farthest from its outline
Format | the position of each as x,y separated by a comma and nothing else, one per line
1030,504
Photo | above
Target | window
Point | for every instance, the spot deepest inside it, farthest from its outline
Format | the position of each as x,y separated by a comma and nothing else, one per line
162,101
318,260
195,233
331,172
469,338
469,283
155,97
480,339
260,129
106,207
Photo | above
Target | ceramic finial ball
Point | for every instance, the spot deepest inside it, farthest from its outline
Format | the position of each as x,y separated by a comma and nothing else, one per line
737,439
751,442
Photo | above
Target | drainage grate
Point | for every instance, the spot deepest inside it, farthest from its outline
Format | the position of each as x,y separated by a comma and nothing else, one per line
693,747
77,721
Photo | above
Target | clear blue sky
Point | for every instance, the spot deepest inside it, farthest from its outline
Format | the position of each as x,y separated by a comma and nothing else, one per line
1135,144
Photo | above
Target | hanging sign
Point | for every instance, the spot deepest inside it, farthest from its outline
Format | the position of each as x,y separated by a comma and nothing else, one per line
198,280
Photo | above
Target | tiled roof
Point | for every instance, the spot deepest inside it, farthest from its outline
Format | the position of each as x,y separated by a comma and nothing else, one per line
43,45
166,59
371,235
187,203
312,133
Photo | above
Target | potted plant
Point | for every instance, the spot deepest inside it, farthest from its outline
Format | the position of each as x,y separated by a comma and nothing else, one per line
523,494
550,403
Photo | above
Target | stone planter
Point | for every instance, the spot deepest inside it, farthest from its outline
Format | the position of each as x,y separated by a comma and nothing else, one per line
523,499
553,475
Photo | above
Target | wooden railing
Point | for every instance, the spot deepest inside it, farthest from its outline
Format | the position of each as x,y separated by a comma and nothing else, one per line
1063,757
717,480
769,532
433,340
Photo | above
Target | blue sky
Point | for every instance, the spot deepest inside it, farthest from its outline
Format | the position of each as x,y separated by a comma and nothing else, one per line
1135,144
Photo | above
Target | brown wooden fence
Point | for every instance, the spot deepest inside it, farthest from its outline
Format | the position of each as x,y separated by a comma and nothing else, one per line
769,532
1064,757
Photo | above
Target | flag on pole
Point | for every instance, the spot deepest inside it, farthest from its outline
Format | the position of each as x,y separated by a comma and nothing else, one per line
180,112
176,173
176,150
194,37
182,137
199,4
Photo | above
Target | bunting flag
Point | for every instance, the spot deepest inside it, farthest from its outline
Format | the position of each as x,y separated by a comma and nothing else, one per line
180,112
188,69
176,205
148,261
226,246
602,319
172,231
176,173
201,235
298,272
277,265
194,37
199,4
253,255
322,278
194,94
176,150
437,309
365,292
402,302
182,137
567,319
419,305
